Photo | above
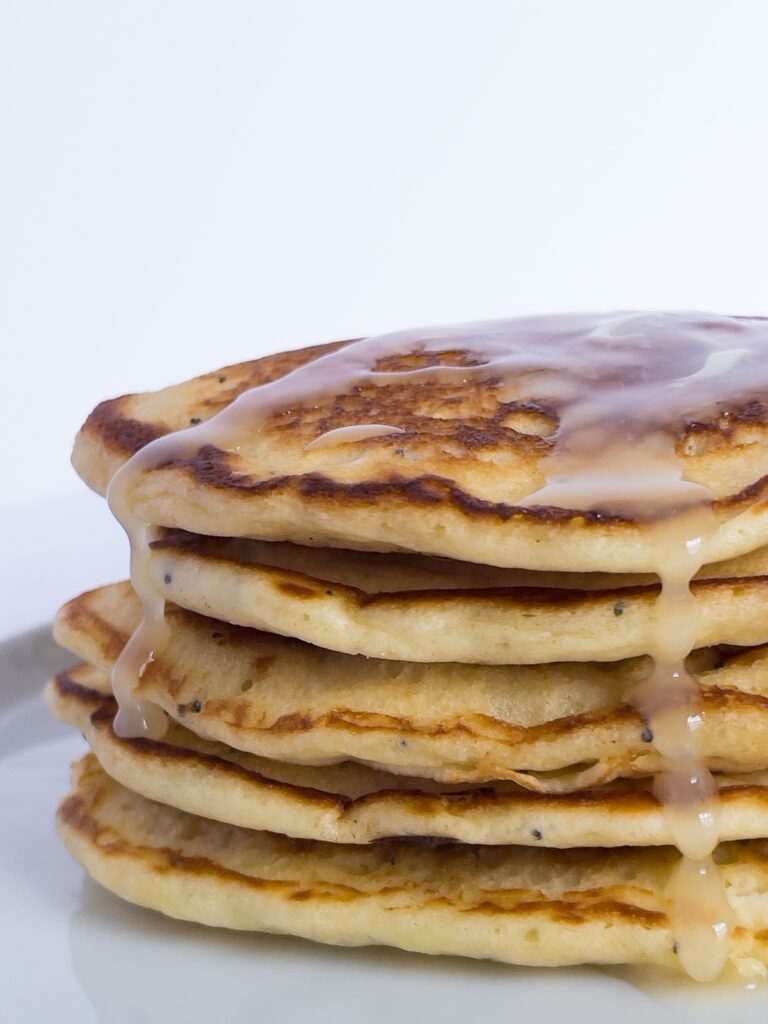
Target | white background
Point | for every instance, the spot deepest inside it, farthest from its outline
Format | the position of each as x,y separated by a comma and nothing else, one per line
187,184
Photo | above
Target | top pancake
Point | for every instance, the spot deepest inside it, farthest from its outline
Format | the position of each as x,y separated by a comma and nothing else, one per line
450,482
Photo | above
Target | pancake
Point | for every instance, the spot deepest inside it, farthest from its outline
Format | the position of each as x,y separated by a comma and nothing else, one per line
412,608
463,453
515,904
376,572
550,728
351,803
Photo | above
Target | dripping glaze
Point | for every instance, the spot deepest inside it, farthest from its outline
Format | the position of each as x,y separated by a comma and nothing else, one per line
623,385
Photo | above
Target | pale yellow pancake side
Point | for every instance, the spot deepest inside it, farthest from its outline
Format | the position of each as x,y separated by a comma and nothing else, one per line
551,727
351,803
334,601
536,907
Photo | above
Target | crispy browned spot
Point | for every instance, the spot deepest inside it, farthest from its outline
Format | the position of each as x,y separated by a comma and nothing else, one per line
210,466
297,590
126,435
76,813
82,618
67,686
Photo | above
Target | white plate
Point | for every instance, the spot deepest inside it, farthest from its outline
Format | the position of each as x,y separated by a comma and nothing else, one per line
71,952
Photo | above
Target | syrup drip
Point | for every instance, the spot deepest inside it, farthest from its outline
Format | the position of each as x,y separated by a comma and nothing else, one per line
671,702
622,386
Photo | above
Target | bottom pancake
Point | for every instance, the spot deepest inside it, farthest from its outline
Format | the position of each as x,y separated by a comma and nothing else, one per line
352,803
518,905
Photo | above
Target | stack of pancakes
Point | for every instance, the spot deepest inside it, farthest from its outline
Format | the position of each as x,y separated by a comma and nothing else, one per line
381,730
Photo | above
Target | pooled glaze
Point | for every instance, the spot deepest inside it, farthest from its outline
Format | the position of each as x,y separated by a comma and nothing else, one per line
624,386
348,435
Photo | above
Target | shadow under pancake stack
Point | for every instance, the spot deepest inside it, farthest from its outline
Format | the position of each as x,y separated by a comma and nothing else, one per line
454,640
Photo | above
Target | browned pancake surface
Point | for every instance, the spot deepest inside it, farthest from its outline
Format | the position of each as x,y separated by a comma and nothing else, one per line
449,484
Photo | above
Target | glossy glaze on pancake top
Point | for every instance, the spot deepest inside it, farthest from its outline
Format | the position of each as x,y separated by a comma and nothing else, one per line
622,385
